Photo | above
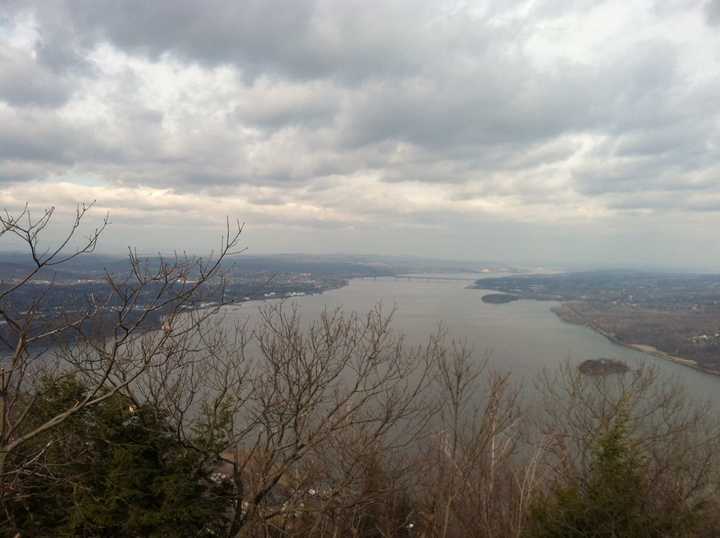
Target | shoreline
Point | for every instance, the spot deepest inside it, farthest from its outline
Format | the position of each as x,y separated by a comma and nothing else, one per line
579,319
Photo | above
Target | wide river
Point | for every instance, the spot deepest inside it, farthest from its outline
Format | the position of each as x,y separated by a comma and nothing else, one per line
522,337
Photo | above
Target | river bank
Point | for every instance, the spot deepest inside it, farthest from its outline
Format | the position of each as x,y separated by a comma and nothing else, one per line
568,314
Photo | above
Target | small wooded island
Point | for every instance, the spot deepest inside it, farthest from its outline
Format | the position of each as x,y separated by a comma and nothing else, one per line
499,298
596,367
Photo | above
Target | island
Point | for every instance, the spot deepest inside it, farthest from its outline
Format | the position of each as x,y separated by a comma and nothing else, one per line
602,367
499,298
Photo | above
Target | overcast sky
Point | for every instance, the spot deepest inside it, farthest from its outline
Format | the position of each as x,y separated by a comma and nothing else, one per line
547,130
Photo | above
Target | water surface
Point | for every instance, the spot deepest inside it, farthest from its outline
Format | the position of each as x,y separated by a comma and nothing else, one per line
522,337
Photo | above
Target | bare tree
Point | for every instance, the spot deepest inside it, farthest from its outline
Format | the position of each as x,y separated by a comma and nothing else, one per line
475,481
676,438
302,418
105,339
302,406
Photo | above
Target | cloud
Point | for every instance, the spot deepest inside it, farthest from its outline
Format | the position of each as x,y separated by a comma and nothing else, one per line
316,114
712,10
308,39
24,82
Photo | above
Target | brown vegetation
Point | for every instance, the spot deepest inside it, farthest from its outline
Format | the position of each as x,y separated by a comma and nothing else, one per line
683,334
335,427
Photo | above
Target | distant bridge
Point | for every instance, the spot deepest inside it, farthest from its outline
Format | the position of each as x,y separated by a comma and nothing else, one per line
432,277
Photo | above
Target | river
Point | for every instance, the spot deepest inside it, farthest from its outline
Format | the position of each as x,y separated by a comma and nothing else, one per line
522,337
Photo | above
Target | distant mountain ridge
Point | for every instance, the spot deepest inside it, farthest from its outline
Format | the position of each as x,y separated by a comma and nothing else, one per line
15,265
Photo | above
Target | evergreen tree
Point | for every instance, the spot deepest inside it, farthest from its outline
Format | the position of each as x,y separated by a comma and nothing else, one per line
612,500
114,470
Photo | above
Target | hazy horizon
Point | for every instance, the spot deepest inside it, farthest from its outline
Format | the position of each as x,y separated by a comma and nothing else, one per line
469,264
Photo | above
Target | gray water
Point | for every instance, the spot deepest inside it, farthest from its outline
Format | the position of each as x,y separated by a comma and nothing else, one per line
521,337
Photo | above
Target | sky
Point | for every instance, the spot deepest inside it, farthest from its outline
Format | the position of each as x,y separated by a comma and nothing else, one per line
542,131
